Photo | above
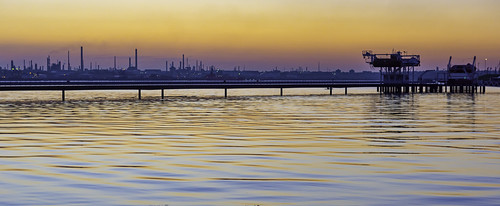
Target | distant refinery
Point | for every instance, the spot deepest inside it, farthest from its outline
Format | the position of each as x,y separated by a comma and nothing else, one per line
59,66
58,71
184,71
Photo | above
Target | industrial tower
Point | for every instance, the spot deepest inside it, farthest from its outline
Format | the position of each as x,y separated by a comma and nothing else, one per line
394,68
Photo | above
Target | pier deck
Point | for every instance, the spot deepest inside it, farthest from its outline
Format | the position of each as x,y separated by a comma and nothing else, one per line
153,85
232,84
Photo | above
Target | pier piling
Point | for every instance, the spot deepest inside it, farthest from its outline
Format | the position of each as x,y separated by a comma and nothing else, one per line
63,96
162,94
139,94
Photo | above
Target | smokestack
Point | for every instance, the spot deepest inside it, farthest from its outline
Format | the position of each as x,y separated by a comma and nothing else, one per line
136,67
69,65
183,61
129,62
48,63
115,62
166,66
81,58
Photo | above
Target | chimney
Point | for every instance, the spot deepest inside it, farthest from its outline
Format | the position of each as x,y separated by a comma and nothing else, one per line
81,58
183,61
69,65
136,67
129,62
115,62
48,63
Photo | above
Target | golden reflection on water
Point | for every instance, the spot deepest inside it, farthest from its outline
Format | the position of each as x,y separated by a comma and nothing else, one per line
306,148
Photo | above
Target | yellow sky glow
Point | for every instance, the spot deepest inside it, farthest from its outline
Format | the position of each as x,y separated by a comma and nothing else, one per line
258,33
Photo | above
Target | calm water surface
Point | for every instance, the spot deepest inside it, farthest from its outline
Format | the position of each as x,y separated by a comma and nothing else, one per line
196,148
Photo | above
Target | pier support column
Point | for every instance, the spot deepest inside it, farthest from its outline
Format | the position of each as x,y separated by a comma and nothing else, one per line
63,96
281,91
162,94
225,93
331,91
345,90
139,94
484,89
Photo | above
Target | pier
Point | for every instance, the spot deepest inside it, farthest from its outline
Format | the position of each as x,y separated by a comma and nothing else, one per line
65,86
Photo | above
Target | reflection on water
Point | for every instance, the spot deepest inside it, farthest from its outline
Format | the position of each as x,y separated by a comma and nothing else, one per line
196,148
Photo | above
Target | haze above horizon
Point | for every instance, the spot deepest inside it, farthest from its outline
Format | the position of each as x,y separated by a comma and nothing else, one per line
260,34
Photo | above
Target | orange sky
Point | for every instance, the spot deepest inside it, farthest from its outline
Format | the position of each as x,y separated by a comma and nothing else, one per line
259,34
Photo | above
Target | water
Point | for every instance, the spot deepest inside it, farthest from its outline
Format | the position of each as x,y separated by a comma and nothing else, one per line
196,148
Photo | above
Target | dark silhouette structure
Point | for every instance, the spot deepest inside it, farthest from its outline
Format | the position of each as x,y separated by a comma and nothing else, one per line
394,75
81,59
463,78
69,64
394,69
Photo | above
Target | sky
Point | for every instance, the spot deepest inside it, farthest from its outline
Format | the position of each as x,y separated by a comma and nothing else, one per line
252,34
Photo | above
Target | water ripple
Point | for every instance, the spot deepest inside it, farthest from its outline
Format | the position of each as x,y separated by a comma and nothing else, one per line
253,148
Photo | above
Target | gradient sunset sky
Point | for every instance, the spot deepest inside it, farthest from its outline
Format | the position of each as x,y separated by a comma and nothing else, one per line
260,34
